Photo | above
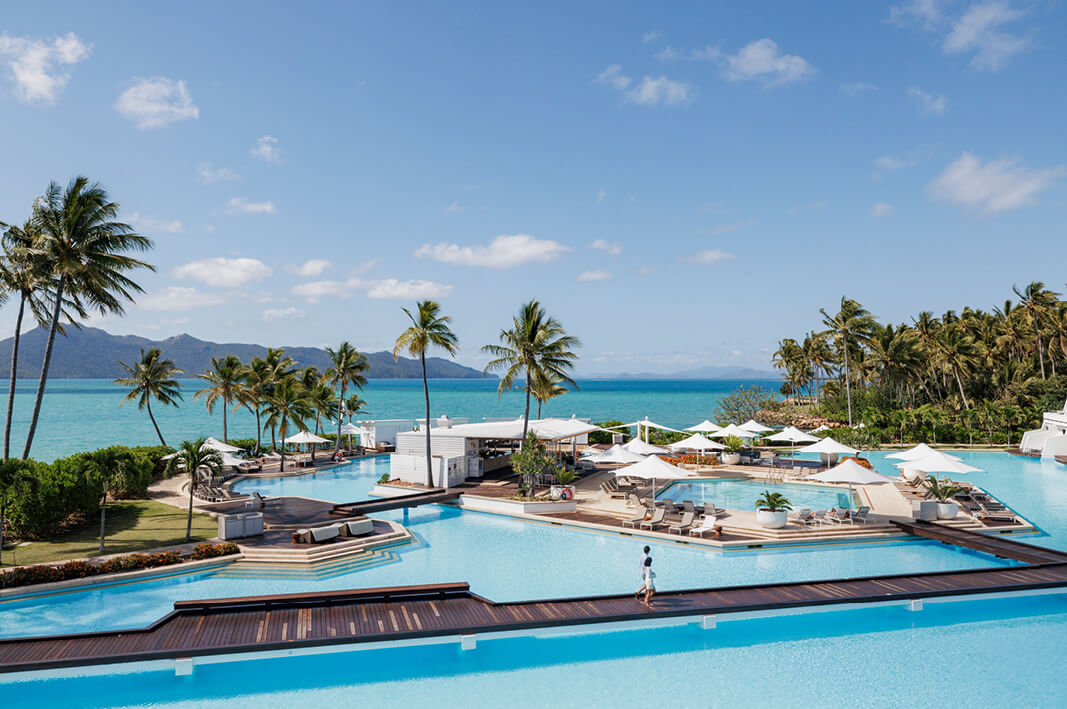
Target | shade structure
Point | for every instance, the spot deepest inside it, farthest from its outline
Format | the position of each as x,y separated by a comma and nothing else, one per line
640,447
830,446
647,425
792,434
820,429
217,445
938,462
616,454
920,451
850,471
696,442
306,437
732,430
349,429
755,426
652,468
704,426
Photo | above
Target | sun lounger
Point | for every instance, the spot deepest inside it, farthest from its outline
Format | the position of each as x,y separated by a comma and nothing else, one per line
668,504
836,517
802,516
1001,518
862,515
657,519
325,534
266,501
688,506
684,525
816,517
356,527
707,525
634,521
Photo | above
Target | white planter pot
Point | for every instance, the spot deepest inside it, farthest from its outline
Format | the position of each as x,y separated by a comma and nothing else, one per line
772,520
947,510
730,458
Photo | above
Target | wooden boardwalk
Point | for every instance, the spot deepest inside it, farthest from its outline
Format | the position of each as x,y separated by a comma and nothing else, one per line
995,545
366,507
252,624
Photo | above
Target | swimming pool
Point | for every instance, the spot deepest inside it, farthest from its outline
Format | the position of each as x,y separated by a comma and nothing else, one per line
741,493
348,482
991,651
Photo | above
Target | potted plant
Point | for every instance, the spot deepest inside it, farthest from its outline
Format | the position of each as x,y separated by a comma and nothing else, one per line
943,491
772,510
564,478
732,456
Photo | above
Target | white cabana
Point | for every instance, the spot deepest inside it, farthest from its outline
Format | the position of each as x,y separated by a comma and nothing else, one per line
640,447
652,468
704,426
306,437
647,425
732,430
938,462
696,442
828,450
217,445
850,472
920,451
755,426
793,435
616,454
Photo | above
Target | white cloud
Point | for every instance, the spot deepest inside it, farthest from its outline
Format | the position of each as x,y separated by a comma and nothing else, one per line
707,53
649,91
892,162
225,272
926,102
505,251
881,210
979,30
711,256
149,224
612,247
282,313
177,298
380,288
309,269
761,60
601,195
157,102
997,186
927,14
667,54
455,208
207,173
266,148
855,88
651,36
595,275
242,204
33,64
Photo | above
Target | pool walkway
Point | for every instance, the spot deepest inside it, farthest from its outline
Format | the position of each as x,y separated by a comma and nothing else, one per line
292,621
424,497
990,544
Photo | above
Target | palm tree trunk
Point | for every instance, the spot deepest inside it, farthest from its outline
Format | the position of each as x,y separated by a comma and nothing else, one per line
14,375
426,395
1040,353
44,366
189,519
848,387
258,430
103,513
155,425
526,413
340,417
959,382
225,432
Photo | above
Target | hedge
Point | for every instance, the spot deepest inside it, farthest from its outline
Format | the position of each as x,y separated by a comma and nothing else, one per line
46,573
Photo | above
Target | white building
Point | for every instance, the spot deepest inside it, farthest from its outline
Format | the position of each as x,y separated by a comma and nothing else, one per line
470,450
1050,440
375,434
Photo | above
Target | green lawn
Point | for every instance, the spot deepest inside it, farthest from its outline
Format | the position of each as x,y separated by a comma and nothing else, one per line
132,525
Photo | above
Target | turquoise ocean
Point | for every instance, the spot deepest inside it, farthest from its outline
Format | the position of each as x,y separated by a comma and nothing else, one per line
84,414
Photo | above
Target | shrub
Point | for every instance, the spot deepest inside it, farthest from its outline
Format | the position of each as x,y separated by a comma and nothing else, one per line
596,437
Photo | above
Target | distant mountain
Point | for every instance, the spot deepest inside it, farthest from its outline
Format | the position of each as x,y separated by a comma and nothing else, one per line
708,372
91,353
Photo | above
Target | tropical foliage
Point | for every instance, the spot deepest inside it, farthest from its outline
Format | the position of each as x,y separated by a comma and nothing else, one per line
195,460
532,462
773,501
151,378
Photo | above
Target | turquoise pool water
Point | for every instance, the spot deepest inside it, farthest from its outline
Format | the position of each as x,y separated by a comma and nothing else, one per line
344,483
741,494
988,652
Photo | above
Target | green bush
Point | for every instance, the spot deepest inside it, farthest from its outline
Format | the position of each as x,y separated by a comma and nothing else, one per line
597,437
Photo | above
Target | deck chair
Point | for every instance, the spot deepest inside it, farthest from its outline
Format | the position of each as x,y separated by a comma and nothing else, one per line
707,525
266,501
816,517
657,519
688,506
637,519
684,525
802,516
862,515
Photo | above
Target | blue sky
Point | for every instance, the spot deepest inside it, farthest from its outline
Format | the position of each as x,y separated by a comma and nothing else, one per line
680,184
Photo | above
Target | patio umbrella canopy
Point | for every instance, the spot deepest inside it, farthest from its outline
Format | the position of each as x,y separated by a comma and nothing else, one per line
829,446
350,430
642,448
732,430
920,451
217,445
615,454
792,434
938,462
755,426
306,437
850,472
704,426
696,442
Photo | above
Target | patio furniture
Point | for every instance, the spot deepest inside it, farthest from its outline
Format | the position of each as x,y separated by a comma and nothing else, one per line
683,526
634,521
657,519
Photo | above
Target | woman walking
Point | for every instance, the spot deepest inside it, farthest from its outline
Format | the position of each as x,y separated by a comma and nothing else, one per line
649,587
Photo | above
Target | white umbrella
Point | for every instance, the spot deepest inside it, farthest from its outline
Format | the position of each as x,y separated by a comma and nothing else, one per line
652,468
350,430
732,430
640,447
217,445
615,454
828,449
755,426
820,429
306,437
704,426
794,435
938,462
920,451
851,472
696,442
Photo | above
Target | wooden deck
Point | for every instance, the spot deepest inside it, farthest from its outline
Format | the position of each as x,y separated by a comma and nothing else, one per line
995,545
366,507
262,623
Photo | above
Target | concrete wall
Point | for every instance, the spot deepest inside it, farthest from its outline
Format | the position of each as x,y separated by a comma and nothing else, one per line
412,468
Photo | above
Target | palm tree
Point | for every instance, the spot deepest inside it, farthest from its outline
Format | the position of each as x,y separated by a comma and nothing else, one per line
323,401
429,328
191,457
151,378
106,463
536,343
957,352
87,252
354,406
280,367
253,390
347,366
545,387
851,321
1036,300
225,378
287,404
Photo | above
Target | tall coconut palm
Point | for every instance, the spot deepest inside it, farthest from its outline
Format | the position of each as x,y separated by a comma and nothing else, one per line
287,406
280,367
354,406
347,366
545,387
1036,301
191,457
253,391
225,377
957,352
324,402
536,343
88,254
852,322
429,328
151,378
